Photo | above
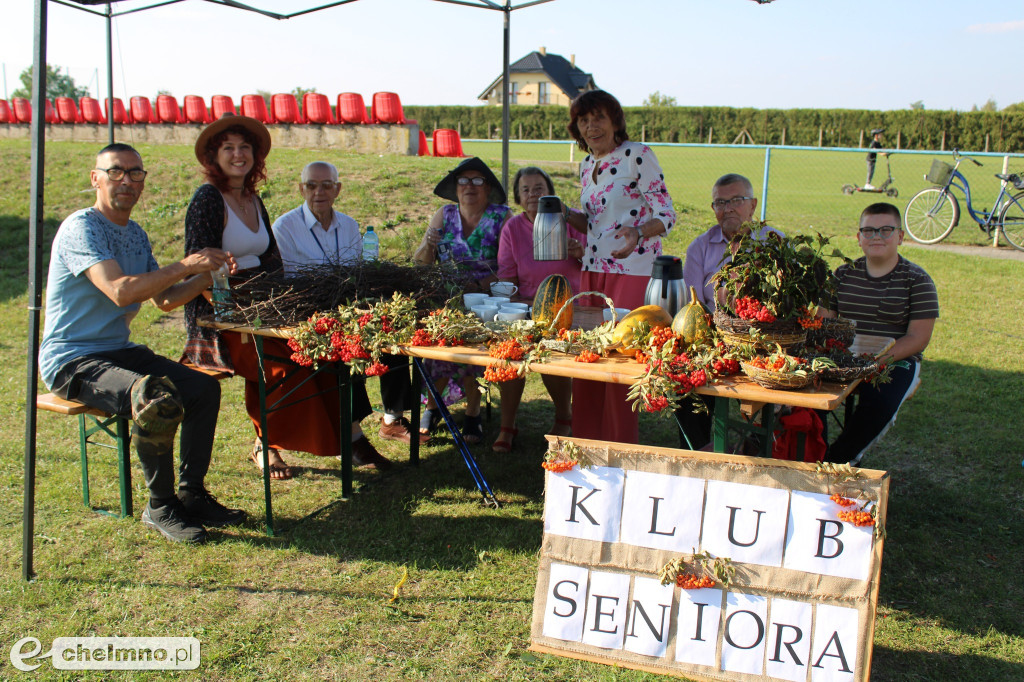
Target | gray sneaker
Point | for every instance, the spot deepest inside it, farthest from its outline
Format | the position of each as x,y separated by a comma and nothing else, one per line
202,508
171,522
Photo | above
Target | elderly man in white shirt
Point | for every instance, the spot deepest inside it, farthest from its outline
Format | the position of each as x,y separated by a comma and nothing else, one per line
316,234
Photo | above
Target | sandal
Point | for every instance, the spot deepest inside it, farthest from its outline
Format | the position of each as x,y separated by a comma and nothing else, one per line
279,471
430,420
566,431
472,430
502,445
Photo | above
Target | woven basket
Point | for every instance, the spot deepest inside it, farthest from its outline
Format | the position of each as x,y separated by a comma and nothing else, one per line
844,375
735,331
784,381
839,328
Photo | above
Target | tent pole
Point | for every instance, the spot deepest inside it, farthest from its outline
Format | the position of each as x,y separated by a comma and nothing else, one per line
505,125
35,265
110,75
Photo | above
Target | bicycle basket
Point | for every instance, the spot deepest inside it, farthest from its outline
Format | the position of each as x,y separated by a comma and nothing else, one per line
940,173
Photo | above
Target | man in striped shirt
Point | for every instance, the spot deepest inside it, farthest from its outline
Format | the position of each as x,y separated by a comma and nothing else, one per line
886,295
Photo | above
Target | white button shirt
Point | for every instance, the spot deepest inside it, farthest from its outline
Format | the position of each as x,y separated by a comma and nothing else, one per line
302,240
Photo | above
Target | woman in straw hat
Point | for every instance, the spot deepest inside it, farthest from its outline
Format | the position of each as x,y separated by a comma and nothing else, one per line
226,212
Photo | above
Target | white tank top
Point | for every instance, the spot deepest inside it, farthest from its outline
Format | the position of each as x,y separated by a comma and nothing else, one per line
242,242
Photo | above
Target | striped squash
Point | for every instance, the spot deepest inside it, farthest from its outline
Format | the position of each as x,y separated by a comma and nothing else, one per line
691,322
552,293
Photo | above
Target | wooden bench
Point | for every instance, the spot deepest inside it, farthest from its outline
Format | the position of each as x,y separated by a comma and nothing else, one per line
93,422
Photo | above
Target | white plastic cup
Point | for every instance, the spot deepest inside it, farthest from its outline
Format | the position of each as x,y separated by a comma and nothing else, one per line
503,289
471,300
619,314
506,315
497,300
485,312
515,306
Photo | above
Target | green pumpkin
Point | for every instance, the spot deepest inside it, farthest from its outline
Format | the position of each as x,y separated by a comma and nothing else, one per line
691,322
551,295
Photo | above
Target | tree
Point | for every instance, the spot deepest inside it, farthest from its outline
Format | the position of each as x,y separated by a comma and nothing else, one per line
917,106
299,92
1017,108
57,85
656,99
990,105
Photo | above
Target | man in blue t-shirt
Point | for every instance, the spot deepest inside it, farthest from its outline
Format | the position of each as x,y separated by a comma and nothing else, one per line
101,270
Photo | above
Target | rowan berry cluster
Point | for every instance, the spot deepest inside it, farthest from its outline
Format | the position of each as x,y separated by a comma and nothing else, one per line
857,518
810,322
688,581
421,337
587,356
325,325
842,501
349,347
748,308
655,403
557,466
509,349
659,336
375,369
500,371
726,366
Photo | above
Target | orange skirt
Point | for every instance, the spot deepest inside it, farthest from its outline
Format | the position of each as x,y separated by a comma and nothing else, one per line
308,422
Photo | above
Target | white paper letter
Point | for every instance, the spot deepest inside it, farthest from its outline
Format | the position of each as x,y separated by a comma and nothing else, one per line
650,614
744,641
834,648
819,543
606,610
584,503
789,640
662,511
745,522
700,612
565,607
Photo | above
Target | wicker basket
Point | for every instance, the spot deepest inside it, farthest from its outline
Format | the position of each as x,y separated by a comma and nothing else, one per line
844,375
735,331
939,173
784,381
838,328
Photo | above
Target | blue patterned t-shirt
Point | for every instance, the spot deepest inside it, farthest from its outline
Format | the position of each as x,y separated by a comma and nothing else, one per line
81,319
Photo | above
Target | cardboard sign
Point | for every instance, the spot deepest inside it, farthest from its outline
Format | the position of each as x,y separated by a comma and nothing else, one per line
800,605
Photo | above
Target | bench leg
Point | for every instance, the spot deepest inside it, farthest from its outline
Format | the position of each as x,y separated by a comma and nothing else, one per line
124,469
121,435
83,446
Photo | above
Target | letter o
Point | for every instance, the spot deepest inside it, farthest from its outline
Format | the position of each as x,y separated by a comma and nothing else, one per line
760,630
159,654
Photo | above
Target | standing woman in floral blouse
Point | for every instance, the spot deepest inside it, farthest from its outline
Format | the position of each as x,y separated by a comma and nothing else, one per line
627,210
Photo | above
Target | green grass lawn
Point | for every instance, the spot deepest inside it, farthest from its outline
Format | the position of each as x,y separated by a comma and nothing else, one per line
314,602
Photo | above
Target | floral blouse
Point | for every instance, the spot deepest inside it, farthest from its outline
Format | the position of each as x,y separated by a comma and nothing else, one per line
477,253
630,190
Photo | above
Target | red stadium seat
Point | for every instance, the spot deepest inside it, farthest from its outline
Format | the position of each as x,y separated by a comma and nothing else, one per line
22,110
386,108
447,143
51,113
351,108
195,110
316,108
254,106
424,149
120,114
167,109
68,110
220,105
285,109
6,114
90,108
142,110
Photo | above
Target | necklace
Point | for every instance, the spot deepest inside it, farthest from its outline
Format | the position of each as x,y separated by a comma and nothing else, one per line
242,207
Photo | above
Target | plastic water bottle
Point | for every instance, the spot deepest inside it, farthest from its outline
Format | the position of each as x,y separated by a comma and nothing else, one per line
371,244
221,292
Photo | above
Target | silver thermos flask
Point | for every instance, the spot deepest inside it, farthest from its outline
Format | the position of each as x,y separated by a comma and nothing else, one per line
666,287
550,236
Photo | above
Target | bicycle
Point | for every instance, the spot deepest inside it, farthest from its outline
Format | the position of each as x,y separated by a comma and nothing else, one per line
932,213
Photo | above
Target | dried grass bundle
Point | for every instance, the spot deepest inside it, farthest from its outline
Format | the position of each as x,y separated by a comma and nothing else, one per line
272,299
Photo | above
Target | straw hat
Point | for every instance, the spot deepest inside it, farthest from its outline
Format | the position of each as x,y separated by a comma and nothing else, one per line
258,130
446,189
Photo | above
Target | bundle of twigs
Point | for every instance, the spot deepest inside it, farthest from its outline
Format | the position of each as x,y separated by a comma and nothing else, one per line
272,299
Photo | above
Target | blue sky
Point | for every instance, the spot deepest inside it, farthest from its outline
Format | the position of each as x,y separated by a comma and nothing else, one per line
872,54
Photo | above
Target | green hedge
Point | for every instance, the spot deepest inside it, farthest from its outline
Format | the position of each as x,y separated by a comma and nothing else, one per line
724,125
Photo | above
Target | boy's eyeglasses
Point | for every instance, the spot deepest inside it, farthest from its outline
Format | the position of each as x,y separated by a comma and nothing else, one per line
871,232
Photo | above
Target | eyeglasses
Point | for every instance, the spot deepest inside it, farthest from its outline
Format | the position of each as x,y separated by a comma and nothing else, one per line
722,204
476,182
872,232
326,185
115,174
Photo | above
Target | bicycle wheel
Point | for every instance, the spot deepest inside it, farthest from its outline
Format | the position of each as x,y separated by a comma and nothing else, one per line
931,215
847,189
1011,221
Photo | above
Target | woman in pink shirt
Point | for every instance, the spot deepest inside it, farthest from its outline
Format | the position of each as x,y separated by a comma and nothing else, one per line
516,264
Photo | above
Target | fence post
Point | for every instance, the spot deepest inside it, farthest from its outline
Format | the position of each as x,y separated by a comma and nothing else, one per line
459,129
643,133
710,131
520,131
1006,170
899,138
942,145
860,140
783,136
986,145
764,185
572,152
820,132
551,131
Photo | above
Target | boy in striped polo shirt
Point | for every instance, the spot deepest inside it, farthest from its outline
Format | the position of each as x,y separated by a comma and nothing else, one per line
886,295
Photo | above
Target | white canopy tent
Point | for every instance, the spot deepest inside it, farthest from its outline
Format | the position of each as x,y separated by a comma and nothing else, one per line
105,9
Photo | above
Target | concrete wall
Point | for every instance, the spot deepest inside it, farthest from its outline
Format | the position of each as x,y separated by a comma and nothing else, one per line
363,139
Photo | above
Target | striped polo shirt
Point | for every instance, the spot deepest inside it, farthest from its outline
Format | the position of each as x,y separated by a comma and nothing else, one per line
884,306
